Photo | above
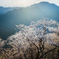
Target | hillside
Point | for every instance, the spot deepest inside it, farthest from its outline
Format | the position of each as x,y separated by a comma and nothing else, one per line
4,10
33,41
26,15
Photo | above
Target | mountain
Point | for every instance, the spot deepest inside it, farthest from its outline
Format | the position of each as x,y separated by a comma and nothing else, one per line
4,10
25,16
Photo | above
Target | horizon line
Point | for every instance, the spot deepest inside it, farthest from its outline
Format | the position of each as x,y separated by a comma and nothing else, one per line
29,5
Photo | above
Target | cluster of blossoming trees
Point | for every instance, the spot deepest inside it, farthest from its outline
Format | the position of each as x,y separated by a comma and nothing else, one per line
36,34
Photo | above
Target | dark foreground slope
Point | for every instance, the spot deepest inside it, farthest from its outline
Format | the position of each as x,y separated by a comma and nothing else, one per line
25,16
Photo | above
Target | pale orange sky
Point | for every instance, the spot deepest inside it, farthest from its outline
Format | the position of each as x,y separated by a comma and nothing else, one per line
23,3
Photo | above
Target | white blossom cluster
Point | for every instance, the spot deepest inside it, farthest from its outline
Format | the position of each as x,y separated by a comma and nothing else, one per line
33,37
34,31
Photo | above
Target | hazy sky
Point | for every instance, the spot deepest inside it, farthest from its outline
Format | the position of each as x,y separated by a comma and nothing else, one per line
23,3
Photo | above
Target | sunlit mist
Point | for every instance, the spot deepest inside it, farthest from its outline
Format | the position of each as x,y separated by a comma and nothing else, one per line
23,3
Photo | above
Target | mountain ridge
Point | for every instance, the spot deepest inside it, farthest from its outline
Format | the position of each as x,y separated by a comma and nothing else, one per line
27,14
4,10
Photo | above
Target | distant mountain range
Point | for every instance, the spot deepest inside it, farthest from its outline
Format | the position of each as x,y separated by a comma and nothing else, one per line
4,10
25,16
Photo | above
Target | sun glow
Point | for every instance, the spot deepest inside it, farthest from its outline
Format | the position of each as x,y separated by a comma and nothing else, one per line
23,3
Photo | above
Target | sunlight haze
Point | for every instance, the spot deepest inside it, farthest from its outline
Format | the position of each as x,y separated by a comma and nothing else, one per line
24,3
